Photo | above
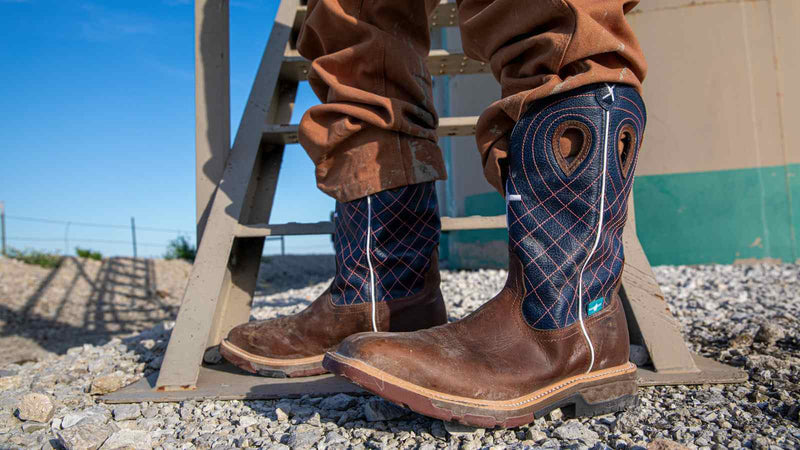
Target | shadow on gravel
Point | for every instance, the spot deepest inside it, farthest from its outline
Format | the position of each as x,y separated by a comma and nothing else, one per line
75,304
90,302
353,412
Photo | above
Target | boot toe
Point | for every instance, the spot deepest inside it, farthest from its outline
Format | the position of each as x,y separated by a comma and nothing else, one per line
407,356
279,338
241,337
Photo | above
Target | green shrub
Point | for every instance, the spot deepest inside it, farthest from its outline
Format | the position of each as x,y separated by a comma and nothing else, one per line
46,260
88,253
181,248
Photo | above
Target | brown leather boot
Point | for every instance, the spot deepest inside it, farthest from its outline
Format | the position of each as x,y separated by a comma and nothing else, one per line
556,335
387,279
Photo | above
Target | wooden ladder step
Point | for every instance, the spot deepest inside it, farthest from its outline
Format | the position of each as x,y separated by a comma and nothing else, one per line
440,62
286,134
300,229
445,15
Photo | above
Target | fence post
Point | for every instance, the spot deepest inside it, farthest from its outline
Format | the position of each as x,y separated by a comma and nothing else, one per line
66,239
133,235
283,245
3,226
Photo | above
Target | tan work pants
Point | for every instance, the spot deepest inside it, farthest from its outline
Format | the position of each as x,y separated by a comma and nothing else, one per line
376,126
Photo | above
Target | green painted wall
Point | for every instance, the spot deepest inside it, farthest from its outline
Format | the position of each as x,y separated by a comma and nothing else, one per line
720,216
689,218
471,249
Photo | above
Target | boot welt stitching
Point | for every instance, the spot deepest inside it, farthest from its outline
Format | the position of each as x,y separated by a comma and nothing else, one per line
269,361
485,404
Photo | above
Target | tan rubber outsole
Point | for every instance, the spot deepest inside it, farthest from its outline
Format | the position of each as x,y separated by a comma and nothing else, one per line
271,367
595,393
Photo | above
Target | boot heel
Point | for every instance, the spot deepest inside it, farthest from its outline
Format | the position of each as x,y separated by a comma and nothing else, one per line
598,399
606,398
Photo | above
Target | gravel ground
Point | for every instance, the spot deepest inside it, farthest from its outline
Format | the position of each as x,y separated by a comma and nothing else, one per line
741,315
47,311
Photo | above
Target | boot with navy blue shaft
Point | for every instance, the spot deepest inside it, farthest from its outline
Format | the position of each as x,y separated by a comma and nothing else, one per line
556,335
387,279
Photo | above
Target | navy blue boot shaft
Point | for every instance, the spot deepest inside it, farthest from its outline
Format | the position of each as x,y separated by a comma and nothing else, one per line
385,242
571,165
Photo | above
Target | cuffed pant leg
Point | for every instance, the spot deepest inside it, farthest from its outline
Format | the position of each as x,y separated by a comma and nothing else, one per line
376,128
539,48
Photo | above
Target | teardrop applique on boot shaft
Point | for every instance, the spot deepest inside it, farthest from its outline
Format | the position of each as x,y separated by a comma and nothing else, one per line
555,336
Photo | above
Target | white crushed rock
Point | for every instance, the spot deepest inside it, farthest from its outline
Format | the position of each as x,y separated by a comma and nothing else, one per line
741,315
35,407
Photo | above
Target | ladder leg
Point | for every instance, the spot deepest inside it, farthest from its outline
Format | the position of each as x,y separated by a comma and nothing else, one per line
649,319
236,295
212,102
196,317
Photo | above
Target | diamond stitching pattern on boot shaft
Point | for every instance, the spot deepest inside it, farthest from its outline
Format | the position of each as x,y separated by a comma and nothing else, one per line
553,217
530,349
405,231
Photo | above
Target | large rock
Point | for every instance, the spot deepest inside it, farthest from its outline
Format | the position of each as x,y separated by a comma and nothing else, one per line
304,437
535,434
665,444
106,384
35,407
126,412
10,382
281,415
338,402
770,333
639,355
128,440
85,437
377,409
248,421
96,415
335,438
457,429
575,431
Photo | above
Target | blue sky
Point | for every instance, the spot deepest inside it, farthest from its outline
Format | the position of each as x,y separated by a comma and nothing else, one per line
97,122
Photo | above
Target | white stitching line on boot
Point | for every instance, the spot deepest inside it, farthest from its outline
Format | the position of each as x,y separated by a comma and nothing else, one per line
596,240
369,263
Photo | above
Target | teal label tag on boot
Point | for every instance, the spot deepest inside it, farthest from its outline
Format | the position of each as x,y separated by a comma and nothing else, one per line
595,307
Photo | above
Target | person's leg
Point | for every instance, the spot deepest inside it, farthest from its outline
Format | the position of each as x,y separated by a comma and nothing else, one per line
541,48
556,335
373,141
376,128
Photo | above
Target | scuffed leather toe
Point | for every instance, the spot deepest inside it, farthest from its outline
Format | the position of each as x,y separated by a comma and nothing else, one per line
412,358
252,337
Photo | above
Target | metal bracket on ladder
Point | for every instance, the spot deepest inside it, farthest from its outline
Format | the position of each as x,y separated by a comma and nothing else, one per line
235,191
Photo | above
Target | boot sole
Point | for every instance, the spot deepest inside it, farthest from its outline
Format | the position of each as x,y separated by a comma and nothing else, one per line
596,393
271,367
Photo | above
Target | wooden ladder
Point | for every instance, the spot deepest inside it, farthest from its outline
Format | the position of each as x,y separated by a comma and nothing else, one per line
235,192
